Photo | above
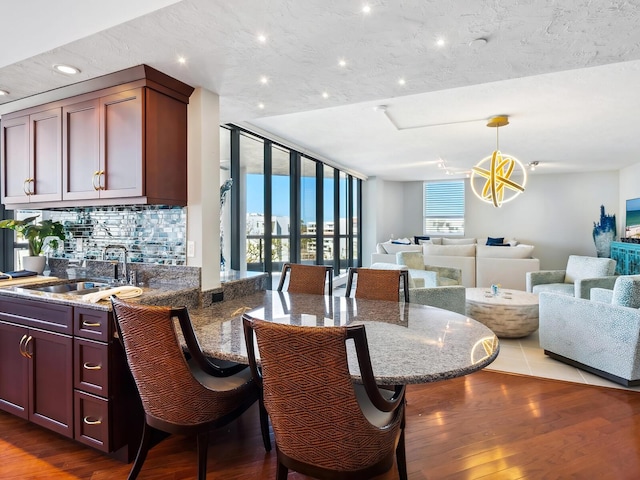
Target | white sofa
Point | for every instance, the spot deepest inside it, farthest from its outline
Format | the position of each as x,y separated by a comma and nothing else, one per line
482,265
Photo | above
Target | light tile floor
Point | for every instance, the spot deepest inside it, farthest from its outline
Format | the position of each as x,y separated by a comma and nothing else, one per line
524,356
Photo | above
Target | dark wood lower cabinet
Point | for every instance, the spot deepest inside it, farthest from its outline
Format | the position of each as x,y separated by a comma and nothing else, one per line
69,375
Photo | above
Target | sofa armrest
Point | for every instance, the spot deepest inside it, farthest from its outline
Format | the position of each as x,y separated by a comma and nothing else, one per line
602,336
583,286
451,298
543,277
383,258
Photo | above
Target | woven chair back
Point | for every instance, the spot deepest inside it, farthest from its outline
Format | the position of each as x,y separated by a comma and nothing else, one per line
310,398
306,278
373,284
168,390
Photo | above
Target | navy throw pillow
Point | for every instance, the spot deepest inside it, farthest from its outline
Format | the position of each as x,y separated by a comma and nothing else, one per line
495,241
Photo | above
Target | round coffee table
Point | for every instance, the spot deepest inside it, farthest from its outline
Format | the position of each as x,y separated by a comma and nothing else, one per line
510,314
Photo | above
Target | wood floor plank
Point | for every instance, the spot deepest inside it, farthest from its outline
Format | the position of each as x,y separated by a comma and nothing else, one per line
488,426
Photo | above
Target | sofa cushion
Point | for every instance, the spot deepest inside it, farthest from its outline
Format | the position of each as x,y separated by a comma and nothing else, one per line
458,241
450,250
563,288
394,248
580,267
626,291
519,251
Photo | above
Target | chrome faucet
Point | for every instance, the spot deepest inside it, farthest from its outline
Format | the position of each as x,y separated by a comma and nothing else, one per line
125,276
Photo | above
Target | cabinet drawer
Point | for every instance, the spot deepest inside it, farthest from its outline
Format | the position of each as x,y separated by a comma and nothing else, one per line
92,324
91,367
33,313
92,421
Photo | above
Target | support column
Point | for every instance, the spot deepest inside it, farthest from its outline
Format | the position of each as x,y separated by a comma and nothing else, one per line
203,208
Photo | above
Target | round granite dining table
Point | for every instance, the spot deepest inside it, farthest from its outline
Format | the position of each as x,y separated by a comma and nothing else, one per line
408,343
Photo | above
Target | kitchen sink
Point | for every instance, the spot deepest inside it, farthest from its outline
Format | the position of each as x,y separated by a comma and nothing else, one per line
72,288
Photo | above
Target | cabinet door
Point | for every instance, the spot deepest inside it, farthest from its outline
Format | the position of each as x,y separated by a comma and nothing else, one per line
14,370
15,160
122,144
81,150
46,155
51,381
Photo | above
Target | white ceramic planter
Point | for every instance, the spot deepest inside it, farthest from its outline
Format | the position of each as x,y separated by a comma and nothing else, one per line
34,263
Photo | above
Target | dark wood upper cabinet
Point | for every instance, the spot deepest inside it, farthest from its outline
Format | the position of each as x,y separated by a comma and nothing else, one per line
124,142
31,153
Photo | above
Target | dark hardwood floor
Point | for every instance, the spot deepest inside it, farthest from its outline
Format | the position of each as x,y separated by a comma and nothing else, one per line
487,425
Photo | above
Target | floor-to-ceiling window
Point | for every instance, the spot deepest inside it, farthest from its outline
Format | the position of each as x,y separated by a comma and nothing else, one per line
273,184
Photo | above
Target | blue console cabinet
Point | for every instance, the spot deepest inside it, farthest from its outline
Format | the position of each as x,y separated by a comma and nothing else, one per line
627,257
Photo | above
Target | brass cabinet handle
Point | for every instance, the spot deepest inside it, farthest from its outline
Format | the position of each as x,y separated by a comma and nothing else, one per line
26,185
21,348
89,324
93,180
89,366
89,421
26,352
101,182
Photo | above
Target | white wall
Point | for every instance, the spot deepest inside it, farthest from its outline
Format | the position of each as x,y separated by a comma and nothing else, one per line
556,213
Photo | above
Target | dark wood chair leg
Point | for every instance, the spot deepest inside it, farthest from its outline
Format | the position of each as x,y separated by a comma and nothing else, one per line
143,449
282,472
203,445
401,457
264,425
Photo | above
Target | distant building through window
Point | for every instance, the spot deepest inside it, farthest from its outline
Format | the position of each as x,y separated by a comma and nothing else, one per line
444,207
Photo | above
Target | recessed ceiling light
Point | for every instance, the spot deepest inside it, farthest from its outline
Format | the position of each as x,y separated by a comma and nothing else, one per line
262,38
264,80
325,95
366,8
440,42
401,81
261,106
182,60
342,62
3,93
66,69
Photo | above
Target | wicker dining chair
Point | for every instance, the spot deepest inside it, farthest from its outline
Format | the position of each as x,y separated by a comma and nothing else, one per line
374,284
324,424
307,279
177,397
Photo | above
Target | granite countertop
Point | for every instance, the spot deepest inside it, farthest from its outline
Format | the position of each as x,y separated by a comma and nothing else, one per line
152,294
409,343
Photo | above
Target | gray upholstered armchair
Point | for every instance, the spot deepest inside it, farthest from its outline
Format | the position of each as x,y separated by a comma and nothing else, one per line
601,335
581,275
415,262
450,297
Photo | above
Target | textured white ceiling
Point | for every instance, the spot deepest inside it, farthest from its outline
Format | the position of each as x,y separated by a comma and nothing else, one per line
565,72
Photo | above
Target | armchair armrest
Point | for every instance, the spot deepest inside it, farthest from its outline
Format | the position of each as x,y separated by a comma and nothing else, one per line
603,295
583,286
450,298
424,278
449,272
543,277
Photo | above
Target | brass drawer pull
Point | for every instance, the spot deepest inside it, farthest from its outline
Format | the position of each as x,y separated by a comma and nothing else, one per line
88,421
21,348
26,352
89,366
90,324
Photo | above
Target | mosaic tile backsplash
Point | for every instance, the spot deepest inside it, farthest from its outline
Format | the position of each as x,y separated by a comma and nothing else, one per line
151,233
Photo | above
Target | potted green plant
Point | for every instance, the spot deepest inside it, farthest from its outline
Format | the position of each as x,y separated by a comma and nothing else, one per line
36,234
